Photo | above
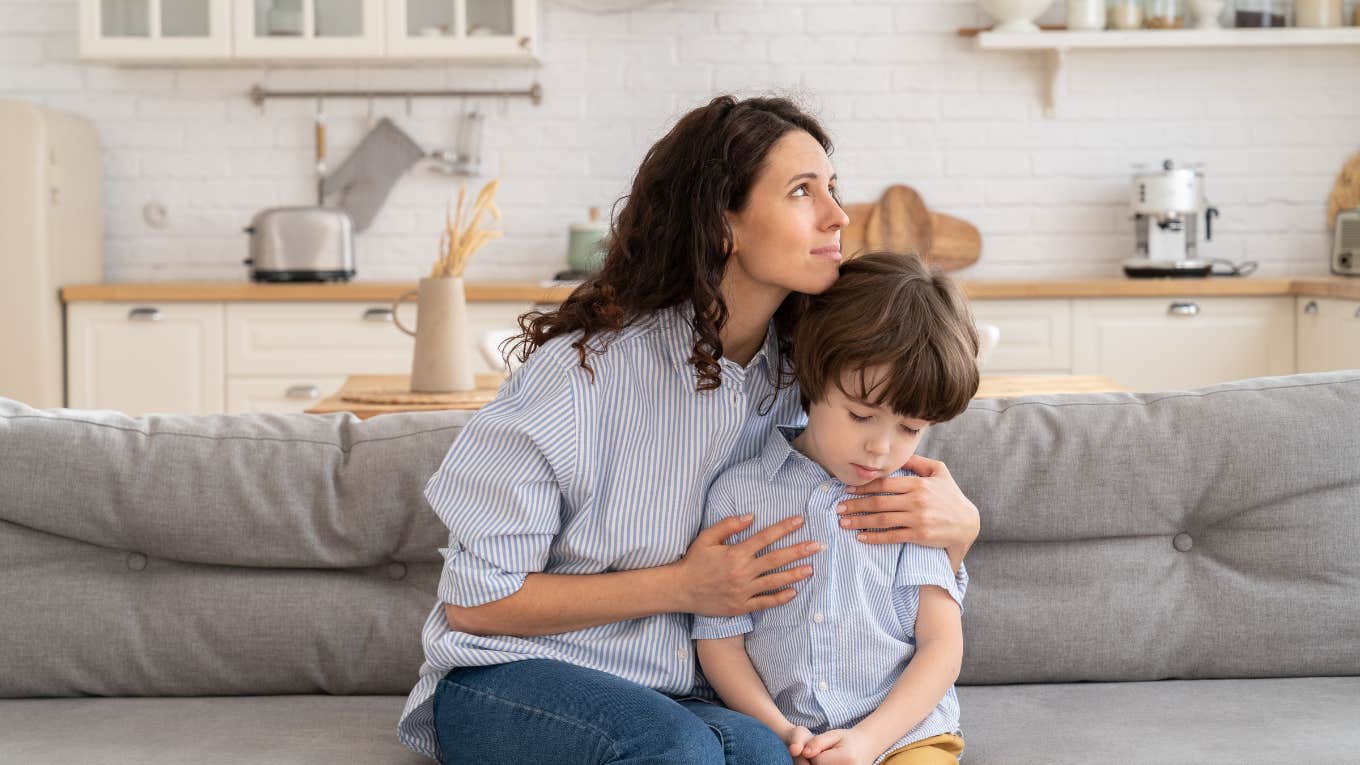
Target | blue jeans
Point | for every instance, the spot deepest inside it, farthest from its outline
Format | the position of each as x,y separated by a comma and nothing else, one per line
542,712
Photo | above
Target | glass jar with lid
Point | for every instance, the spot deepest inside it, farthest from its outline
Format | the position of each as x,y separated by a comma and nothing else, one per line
1255,14
1125,14
1165,14
1318,13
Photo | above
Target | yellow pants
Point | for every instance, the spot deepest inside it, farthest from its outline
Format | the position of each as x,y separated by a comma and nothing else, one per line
943,749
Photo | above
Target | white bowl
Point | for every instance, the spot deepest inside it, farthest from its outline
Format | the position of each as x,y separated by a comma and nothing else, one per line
1015,15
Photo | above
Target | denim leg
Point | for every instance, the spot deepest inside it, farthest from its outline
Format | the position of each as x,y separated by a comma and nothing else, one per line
541,711
745,740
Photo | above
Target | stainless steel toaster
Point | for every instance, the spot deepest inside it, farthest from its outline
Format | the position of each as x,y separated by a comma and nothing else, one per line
301,244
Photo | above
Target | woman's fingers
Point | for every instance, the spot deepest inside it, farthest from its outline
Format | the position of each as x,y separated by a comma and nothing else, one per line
719,532
762,602
885,520
770,534
785,555
783,579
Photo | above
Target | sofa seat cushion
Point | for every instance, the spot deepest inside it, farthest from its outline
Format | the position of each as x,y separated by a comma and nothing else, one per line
1169,721
215,730
1173,721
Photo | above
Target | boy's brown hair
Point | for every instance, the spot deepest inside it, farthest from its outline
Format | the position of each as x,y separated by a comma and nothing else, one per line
891,309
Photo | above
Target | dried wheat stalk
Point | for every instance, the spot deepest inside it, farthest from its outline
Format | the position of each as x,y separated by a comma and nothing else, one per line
458,242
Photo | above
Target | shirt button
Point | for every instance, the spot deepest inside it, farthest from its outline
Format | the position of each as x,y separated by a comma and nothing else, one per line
822,686
825,486
817,617
680,653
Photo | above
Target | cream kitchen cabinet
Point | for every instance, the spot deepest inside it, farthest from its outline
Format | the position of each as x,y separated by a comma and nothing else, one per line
1151,344
1036,335
140,358
303,31
1328,334
155,30
209,358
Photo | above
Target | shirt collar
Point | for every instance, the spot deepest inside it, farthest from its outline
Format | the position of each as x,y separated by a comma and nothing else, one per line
677,327
778,450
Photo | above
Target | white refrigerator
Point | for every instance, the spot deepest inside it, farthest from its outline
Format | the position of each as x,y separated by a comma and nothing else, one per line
51,234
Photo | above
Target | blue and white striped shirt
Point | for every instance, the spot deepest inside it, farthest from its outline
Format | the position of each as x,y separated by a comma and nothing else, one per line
564,476
829,656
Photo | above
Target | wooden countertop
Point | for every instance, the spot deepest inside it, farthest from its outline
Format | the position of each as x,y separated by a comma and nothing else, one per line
527,292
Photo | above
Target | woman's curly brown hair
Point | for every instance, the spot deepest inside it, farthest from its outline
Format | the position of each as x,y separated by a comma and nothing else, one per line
670,243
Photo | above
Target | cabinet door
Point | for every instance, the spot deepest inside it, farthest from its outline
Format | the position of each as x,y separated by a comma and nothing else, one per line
1152,344
278,395
308,29
151,30
141,359
1328,334
338,339
483,30
1036,335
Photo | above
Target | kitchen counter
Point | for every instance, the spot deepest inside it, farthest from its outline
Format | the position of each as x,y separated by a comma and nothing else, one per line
528,292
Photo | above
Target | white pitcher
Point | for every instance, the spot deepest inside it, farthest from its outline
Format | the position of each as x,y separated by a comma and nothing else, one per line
443,361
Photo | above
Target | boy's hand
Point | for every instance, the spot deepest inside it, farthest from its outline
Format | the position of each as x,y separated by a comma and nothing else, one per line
839,747
796,736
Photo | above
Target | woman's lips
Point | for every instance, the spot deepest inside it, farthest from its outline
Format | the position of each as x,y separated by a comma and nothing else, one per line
832,253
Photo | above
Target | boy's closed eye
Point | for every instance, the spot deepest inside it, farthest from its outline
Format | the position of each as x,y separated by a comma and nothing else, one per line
909,430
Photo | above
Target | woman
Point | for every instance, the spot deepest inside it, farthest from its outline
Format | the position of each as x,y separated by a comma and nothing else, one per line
574,499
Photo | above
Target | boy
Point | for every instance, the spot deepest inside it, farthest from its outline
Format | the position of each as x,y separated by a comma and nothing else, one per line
859,667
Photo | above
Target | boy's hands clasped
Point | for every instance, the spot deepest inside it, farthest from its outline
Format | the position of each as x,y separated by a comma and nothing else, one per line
841,746
728,580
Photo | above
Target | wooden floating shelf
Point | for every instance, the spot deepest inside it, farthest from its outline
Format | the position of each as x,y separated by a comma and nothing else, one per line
1056,42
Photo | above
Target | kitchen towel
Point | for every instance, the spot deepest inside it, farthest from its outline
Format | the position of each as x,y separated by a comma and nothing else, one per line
368,174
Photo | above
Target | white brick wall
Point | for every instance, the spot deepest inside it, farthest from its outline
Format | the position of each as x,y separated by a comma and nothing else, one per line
905,99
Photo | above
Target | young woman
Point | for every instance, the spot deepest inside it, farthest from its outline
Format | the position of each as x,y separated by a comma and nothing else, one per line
574,499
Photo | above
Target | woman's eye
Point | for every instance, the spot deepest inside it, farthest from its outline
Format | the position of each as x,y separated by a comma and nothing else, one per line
800,187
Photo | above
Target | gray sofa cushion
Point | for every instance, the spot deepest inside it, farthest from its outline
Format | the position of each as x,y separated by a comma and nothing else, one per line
260,554
1196,534
1202,722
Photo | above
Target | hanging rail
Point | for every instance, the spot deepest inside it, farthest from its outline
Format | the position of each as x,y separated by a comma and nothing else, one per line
258,95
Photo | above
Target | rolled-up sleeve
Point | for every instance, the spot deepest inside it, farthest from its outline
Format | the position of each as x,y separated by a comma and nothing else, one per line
502,486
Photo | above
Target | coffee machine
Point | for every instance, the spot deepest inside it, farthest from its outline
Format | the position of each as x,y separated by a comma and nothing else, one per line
1166,216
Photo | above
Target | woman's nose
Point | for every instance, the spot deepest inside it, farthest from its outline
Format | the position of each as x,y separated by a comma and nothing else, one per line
837,217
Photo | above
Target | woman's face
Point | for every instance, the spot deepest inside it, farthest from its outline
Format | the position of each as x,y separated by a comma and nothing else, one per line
788,237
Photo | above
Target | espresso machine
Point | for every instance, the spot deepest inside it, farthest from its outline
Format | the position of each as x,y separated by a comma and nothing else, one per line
1167,206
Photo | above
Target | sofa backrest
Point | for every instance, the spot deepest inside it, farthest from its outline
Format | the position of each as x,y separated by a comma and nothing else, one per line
1208,533
1197,534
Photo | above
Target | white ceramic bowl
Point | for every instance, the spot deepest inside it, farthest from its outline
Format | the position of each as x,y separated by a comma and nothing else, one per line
1015,15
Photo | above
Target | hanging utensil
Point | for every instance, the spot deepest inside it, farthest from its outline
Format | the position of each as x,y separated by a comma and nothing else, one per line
319,122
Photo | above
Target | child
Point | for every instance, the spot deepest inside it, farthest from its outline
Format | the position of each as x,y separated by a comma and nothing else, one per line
859,667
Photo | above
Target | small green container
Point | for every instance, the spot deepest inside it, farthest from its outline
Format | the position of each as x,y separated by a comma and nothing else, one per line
586,245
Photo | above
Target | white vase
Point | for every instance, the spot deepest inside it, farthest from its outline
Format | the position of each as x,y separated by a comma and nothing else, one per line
443,360
1015,15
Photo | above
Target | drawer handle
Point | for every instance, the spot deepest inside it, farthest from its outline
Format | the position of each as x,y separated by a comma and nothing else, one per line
1183,308
1357,312
308,392
1311,308
378,314
144,314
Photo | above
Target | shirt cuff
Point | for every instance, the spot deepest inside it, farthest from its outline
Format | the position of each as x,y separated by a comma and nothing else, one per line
719,627
468,580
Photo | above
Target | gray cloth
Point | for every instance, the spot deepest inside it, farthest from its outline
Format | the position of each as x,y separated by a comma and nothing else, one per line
1206,722
1125,537
363,181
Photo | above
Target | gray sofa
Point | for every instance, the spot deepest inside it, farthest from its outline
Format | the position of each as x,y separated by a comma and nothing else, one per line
1170,577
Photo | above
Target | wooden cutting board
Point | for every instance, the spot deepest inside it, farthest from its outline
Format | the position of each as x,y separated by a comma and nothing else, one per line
953,243
899,222
1345,191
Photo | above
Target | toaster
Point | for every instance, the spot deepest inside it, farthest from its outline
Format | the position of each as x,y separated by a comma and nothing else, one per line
1346,243
301,244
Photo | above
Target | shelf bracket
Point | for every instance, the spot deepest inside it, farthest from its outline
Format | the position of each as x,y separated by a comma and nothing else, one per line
1055,64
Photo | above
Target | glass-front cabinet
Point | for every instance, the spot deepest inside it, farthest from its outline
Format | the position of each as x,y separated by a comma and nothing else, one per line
308,29
471,29
155,29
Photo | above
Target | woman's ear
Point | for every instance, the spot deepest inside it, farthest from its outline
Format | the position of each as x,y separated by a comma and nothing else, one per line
732,229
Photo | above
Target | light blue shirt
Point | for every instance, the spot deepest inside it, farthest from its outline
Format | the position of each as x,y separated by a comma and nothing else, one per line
564,476
829,656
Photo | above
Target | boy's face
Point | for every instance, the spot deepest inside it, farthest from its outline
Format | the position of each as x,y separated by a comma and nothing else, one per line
856,442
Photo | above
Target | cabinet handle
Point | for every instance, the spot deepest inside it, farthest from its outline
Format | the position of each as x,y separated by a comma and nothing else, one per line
1311,308
1357,313
144,314
303,391
378,314
1183,308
